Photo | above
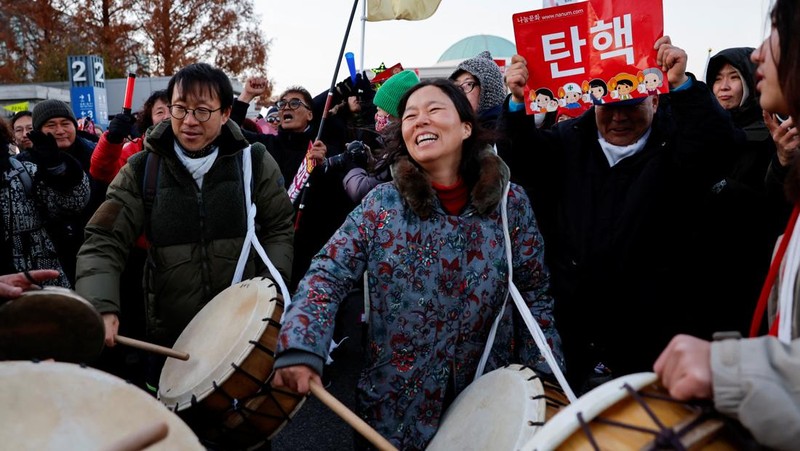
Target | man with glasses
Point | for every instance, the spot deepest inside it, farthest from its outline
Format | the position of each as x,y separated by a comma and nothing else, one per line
186,191
324,202
22,124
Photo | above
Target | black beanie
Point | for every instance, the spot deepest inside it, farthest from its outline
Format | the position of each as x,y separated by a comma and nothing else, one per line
48,109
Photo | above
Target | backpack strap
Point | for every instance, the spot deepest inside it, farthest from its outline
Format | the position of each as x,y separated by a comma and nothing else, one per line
19,170
150,187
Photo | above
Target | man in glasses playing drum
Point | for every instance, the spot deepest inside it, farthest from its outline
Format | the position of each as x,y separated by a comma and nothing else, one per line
186,191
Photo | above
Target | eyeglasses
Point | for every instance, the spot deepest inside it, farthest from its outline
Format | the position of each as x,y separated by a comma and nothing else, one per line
272,120
468,86
201,114
292,104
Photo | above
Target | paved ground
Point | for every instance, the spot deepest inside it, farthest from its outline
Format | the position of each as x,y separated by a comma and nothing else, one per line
316,427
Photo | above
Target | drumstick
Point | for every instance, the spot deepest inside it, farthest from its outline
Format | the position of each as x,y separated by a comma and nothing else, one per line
347,415
150,347
142,438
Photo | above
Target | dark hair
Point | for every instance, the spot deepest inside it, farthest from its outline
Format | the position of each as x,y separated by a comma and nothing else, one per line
6,135
145,116
479,139
18,115
785,18
546,92
626,82
307,99
202,78
598,83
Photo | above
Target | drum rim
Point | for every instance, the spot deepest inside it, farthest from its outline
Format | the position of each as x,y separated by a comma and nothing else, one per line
51,290
235,356
532,411
179,432
565,422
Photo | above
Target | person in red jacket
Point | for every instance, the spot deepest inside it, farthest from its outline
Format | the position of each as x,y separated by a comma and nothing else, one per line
112,152
110,155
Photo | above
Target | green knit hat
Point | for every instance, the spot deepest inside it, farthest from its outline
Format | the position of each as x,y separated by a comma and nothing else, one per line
48,109
388,96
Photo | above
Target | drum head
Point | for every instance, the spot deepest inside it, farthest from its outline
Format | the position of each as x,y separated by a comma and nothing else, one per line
500,410
217,338
589,406
51,323
63,406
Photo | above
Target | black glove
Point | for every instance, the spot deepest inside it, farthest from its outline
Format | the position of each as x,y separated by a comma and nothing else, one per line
120,128
45,152
346,88
358,153
363,88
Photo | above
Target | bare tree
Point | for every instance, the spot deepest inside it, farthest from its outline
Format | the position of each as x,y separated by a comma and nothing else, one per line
156,36
220,32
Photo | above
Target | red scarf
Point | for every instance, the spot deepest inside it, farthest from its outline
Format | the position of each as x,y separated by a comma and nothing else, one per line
454,197
771,276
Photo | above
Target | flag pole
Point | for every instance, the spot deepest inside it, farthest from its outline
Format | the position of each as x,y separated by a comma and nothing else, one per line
363,33
336,72
305,183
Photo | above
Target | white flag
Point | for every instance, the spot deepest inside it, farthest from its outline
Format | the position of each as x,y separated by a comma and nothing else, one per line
400,9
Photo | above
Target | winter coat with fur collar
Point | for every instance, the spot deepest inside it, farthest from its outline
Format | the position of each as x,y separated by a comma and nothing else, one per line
436,283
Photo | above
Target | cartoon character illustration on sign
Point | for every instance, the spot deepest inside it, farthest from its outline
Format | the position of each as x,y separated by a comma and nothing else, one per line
596,90
543,101
570,94
623,85
650,80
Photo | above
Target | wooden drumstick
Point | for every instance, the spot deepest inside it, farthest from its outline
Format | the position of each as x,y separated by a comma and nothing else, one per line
150,347
141,439
351,418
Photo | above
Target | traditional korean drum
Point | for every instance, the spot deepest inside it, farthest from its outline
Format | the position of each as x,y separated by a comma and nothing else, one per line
634,412
501,410
51,323
223,391
64,406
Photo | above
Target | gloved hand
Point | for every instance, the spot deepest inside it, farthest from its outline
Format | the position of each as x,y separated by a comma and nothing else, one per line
346,88
120,128
363,88
359,154
45,152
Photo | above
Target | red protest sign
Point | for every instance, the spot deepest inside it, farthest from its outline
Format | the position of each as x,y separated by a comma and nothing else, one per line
590,53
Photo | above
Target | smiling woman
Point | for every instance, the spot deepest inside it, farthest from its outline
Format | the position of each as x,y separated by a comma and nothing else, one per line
437,225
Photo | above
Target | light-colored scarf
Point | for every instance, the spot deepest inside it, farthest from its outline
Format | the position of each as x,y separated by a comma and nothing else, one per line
198,167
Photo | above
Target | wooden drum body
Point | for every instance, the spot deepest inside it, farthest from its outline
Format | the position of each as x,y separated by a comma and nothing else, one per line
634,412
222,391
501,410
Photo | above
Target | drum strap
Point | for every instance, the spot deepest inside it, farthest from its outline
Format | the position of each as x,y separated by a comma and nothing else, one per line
251,240
527,317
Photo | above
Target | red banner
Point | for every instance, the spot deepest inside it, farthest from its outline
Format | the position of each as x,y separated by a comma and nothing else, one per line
590,53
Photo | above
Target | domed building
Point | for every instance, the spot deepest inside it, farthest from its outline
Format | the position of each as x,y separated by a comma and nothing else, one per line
500,48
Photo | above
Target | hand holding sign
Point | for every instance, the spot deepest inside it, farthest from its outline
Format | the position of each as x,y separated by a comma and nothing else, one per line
672,60
517,78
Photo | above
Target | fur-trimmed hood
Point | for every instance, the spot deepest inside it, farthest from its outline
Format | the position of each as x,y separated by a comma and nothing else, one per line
416,189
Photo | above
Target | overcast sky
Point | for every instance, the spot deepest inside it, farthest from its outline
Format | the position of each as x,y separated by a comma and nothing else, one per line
307,34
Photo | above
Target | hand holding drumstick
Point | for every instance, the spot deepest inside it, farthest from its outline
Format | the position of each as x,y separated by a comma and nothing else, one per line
111,322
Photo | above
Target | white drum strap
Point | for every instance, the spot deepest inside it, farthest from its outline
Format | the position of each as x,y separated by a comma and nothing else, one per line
527,317
251,239
787,287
